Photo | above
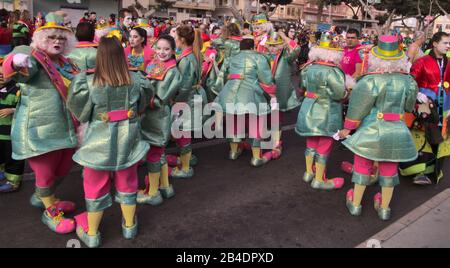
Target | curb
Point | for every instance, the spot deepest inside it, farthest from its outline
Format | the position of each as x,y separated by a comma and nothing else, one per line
378,239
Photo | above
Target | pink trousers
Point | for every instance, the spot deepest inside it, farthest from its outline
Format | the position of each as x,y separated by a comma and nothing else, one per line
155,153
365,166
48,167
97,182
322,145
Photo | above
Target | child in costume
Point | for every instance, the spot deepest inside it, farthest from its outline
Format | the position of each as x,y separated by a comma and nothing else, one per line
156,121
282,55
85,53
377,104
11,171
189,65
246,82
43,131
320,115
109,100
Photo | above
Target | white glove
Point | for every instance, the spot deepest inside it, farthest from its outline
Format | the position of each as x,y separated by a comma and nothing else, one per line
21,61
336,136
274,104
422,98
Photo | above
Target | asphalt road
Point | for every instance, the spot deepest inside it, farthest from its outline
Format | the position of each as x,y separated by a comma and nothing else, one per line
228,204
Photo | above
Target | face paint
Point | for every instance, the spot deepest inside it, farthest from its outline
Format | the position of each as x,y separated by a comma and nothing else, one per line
163,50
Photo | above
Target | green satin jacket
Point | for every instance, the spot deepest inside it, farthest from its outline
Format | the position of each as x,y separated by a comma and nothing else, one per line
190,91
240,84
321,113
156,120
377,139
230,46
42,123
84,57
282,67
109,145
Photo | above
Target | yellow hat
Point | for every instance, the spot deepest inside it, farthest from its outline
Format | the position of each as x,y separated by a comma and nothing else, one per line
102,24
275,39
326,43
54,21
142,23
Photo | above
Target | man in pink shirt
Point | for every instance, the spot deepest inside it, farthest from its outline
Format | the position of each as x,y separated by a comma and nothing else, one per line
353,54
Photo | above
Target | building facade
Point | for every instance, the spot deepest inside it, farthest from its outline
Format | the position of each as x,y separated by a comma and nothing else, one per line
180,10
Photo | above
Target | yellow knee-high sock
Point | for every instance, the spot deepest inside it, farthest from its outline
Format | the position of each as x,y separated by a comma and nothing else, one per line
386,196
128,212
164,178
48,201
185,161
256,151
234,147
358,193
153,182
309,164
219,121
320,171
94,219
276,136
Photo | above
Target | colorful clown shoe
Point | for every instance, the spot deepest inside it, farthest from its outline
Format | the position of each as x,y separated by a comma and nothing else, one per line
130,232
259,162
235,155
178,173
328,185
308,178
167,192
83,229
65,206
145,199
54,219
354,210
9,187
276,152
383,213
175,161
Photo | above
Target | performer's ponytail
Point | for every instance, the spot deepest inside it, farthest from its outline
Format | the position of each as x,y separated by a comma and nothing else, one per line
192,38
197,47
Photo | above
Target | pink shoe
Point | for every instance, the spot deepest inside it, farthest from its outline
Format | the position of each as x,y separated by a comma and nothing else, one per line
350,195
347,167
338,182
276,153
54,219
268,155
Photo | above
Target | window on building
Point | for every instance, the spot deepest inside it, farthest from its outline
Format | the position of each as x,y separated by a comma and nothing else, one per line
447,27
220,2
236,2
